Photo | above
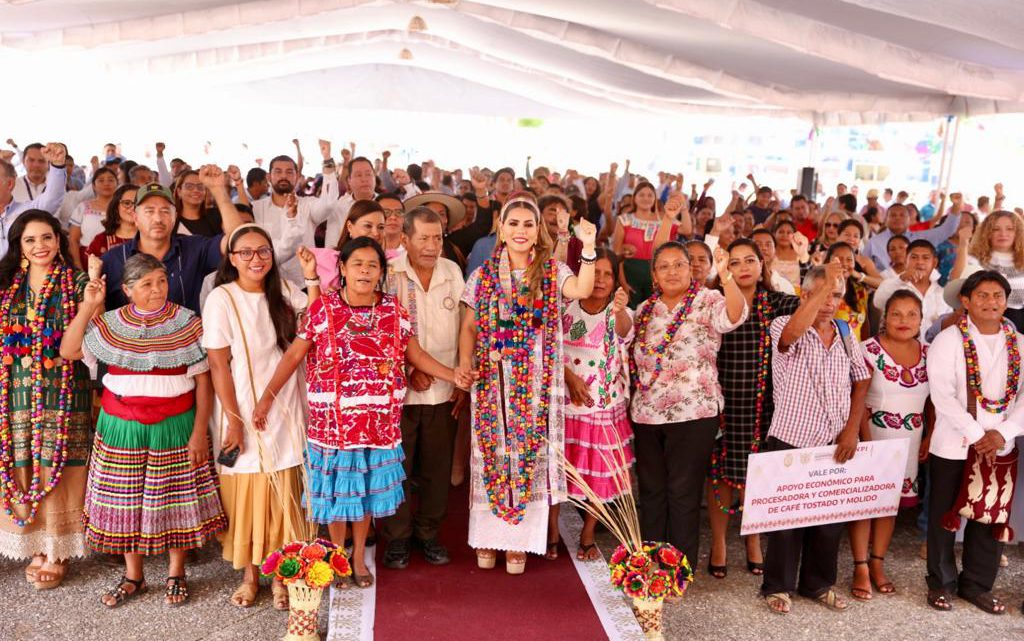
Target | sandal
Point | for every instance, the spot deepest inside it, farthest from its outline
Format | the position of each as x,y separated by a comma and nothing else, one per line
779,602
486,559
280,593
245,594
861,594
588,552
177,591
363,580
552,551
33,567
940,600
515,562
755,568
883,588
50,579
120,595
987,602
832,601
718,571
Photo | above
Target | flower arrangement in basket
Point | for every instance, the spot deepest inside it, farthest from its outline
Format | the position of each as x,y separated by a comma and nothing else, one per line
653,572
316,564
306,568
647,572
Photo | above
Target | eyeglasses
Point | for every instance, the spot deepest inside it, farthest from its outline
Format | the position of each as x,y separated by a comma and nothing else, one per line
831,225
193,187
265,253
679,264
127,203
394,212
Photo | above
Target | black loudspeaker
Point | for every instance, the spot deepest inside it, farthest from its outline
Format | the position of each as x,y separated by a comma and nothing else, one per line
808,182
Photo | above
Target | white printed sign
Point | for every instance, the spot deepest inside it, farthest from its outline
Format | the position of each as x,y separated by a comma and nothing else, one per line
791,489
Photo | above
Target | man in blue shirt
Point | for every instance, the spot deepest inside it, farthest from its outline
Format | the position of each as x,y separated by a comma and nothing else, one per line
188,259
897,221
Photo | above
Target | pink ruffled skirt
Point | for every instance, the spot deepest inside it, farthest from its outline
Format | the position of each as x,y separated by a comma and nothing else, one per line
598,445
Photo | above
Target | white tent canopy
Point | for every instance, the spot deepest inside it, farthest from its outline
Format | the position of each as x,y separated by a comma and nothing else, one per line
831,61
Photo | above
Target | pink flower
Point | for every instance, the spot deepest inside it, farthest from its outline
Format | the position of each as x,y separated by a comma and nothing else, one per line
270,563
634,585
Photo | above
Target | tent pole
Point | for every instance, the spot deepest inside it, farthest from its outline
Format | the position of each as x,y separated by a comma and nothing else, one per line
952,153
942,159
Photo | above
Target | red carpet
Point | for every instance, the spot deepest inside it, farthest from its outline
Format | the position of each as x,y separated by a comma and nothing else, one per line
459,602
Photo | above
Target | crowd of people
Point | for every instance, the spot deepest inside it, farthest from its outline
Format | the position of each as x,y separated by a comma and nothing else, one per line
193,354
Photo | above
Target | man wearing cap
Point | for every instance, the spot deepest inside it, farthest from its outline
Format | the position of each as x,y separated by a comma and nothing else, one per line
873,202
48,200
897,221
188,259
429,287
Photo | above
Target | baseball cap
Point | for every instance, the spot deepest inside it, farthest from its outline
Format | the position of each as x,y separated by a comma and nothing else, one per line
153,189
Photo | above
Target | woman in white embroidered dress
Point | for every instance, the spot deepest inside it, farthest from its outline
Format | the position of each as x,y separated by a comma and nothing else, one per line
514,331
897,407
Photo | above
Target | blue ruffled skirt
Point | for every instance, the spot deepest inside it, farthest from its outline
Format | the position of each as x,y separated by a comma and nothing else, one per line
349,485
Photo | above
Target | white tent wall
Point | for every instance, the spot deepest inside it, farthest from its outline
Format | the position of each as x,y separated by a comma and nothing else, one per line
610,78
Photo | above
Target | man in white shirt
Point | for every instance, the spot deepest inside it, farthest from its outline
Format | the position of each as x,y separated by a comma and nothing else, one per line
49,200
33,183
920,277
429,287
291,220
361,186
969,416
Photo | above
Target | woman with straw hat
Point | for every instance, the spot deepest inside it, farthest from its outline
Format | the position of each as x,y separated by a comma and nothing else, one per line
249,320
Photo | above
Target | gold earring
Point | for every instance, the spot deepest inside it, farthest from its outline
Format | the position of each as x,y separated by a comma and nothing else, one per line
24,261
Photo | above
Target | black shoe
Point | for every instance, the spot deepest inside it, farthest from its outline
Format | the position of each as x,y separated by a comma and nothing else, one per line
434,552
396,556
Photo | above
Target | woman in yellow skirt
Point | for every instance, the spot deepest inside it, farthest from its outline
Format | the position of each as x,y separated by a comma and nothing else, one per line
249,319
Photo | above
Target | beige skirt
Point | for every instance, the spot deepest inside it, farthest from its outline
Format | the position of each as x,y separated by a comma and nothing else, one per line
262,515
57,529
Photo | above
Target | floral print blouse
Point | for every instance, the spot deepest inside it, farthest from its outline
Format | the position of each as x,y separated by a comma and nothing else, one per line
687,388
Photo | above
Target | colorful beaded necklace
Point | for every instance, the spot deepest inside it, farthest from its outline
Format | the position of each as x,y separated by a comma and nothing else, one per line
507,332
763,310
658,351
974,375
41,346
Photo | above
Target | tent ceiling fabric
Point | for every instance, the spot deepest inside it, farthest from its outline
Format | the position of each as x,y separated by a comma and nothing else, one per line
831,61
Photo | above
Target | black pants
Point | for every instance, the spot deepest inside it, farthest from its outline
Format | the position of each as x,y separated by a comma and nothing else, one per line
981,551
428,438
671,464
802,560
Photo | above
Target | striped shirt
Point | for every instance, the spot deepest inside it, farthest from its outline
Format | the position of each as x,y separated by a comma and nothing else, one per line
812,386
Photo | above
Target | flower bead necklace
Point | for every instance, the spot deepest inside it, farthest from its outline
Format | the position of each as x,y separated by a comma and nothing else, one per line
658,351
507,333
974,374
763,311
42,345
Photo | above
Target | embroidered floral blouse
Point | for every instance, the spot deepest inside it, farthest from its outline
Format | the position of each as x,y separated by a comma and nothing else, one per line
687,388
355,372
